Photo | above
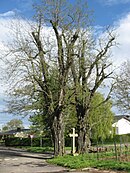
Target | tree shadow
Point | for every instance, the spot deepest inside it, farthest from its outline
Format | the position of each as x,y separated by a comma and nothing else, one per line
14,152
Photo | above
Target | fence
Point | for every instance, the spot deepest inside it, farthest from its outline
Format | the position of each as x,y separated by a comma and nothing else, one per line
117,148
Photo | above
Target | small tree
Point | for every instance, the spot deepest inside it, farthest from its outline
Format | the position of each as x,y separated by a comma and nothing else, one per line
100,118
13,124
122,88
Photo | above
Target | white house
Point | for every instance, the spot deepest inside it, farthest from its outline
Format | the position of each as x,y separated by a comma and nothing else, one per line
122,126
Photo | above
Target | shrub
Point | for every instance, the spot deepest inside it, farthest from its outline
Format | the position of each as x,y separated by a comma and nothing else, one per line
15,141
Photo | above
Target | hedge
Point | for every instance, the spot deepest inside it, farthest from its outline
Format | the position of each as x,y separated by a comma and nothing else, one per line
15,141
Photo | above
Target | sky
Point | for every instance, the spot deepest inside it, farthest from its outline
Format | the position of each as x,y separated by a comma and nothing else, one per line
114,13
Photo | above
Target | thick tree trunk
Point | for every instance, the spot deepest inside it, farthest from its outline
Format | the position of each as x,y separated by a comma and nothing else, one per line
58,135
83,137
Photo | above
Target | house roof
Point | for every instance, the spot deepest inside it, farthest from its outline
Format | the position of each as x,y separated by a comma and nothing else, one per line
13,132
118,117
127,118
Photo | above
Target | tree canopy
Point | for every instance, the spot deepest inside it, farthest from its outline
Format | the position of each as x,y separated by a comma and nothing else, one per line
13,125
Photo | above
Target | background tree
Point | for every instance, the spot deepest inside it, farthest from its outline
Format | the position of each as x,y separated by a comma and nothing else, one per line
13,125
122,88
100,118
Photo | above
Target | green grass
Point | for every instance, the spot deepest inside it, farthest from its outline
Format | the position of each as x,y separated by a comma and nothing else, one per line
38,149
42,149
83,161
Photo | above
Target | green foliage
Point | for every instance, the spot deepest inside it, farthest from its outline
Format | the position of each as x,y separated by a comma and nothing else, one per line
13,124
118,139
72,162
84,161
100,117
15,141
39,119
115,165
68,141
40,149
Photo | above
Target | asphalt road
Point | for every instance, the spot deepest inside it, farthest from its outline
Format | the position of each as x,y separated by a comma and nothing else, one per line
13,160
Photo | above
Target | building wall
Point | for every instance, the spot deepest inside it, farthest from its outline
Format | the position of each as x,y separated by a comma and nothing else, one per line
122,126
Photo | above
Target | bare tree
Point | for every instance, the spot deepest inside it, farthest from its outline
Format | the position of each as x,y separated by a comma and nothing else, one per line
35,57
122,88
88,76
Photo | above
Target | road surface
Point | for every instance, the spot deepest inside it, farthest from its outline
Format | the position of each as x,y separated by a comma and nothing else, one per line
13,160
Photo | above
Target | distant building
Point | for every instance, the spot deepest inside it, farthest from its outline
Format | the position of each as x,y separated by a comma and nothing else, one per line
23,133
122,125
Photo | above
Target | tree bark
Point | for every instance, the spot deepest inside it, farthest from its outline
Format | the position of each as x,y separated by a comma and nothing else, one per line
58,134
83,136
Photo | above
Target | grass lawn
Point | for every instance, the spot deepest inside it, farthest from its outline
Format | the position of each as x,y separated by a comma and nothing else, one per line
83,161
38,149
101,161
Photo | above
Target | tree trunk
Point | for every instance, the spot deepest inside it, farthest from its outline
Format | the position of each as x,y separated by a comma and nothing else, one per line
83,137
58,137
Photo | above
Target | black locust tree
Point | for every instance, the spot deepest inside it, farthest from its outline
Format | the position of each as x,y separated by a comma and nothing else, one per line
90,68
44,52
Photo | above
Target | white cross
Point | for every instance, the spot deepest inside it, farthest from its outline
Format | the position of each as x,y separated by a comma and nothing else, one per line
74,135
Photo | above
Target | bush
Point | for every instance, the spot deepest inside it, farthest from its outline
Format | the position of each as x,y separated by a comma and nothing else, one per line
84,161
68,142
47,142
117,138
15,141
